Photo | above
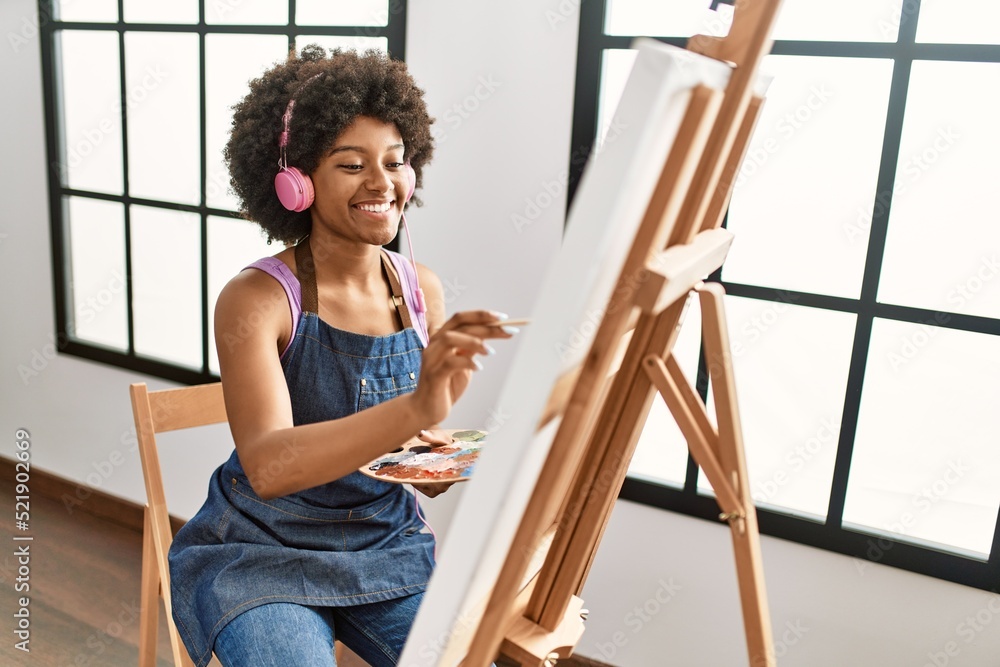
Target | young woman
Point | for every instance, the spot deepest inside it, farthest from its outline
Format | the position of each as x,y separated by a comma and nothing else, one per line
329,359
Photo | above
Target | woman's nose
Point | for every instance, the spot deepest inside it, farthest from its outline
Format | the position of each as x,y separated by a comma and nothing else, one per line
379,180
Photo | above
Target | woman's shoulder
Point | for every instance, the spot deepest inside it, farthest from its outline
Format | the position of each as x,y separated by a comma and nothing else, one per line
280,265
265,281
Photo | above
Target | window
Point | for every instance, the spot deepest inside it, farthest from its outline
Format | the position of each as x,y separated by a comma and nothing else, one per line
138,107
863,287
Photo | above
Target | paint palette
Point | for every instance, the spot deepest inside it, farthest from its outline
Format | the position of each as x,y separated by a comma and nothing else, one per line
417,462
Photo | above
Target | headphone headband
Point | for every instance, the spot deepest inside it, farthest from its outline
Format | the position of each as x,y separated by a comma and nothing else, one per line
286,121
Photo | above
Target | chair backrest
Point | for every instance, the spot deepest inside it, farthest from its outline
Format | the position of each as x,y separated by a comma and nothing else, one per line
158,412
170,410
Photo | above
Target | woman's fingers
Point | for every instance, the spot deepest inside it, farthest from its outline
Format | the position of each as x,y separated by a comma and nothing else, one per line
458,342
481,323
450,358
436,437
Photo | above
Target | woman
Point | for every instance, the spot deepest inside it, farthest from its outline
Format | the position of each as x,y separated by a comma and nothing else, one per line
328,359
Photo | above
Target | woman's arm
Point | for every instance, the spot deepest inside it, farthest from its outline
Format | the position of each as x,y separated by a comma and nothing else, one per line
252,319
280,458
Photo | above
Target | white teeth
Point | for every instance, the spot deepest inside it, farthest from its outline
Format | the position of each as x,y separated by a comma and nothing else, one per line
372,208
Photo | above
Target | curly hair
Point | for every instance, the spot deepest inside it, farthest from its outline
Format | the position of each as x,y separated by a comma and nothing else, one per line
353,85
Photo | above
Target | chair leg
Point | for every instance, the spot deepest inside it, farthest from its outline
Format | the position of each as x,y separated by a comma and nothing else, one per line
185,659
149,600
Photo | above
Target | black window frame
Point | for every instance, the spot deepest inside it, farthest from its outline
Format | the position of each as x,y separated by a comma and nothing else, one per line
871,545
49,25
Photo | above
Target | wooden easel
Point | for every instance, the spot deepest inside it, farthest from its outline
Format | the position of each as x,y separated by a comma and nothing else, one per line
533,614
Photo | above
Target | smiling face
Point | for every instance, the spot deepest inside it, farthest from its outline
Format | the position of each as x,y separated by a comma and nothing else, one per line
361,184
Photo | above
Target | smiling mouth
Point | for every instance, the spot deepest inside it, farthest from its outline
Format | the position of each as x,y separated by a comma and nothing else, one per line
376,208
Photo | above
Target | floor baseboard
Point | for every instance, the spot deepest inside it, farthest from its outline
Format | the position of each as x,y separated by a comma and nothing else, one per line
76,497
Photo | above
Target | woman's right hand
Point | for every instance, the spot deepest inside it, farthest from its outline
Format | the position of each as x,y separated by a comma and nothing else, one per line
450,359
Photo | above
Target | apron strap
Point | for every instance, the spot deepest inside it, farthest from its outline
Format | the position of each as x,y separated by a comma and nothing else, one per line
307,277
397,291
306,269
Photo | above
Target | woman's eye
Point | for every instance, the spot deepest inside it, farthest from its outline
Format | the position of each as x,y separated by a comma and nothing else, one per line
351,167
395,165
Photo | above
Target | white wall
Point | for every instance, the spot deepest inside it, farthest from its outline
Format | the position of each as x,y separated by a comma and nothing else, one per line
511,143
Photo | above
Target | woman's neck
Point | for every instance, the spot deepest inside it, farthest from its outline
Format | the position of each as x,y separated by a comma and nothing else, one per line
346,264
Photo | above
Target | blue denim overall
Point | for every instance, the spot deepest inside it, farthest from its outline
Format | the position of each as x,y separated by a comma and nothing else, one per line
351,541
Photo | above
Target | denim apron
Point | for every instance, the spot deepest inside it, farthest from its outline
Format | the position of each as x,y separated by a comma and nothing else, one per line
355,540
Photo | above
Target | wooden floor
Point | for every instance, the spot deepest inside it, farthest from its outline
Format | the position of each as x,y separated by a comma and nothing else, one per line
84,596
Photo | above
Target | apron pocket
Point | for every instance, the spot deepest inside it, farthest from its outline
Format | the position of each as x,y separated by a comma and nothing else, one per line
305,526
375,390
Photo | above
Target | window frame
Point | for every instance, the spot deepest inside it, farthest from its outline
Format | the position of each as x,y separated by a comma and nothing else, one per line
867,545
49,26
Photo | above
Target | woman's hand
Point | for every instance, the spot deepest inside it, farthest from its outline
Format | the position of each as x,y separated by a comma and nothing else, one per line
435,437
450,359
434,489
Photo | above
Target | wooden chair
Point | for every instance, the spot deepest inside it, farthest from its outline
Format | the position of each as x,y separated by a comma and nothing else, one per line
158,412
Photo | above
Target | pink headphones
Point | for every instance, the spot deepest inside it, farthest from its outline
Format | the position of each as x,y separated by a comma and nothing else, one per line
296,193
295,189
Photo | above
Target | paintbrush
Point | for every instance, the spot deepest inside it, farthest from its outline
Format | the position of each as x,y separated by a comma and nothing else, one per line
509,323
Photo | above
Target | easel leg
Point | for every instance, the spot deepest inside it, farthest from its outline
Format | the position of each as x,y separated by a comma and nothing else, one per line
720,455
746,539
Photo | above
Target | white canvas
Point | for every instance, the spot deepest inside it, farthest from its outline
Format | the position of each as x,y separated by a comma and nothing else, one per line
613,195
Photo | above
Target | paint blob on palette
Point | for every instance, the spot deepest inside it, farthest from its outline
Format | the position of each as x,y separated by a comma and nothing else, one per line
418,462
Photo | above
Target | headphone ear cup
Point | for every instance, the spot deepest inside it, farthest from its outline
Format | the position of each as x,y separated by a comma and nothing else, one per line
295,189
411,178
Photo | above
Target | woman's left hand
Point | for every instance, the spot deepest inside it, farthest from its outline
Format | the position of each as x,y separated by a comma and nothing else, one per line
435,437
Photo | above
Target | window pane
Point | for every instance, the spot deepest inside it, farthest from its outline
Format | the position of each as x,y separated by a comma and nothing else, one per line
844,20
97,272
247,12
926,460
616,65
175,11
231,61
94,11
958,22
359,44
791,365
91,99
661,454
166,279
164,137
358,12
232,244
811,167
944,230
678,18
